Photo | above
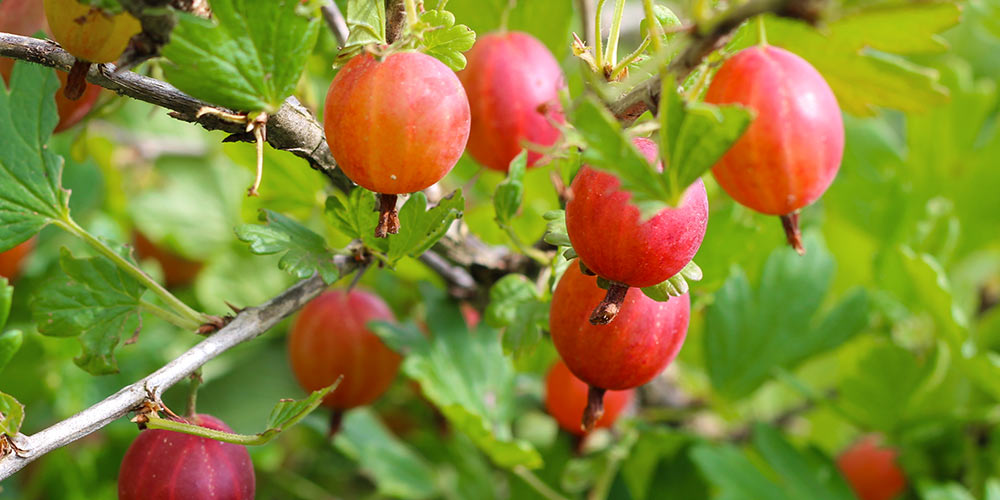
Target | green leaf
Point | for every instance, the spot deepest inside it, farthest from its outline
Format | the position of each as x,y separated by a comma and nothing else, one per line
888,376
547,20
305,252
366,22
667,20
862,79
6,297
609,149
10,342
465,375
396,469
95,301
11,415
248,58
31,196
355,216
420,228
510,192
900,29
289,412
516,305
750,334
694,136
781,472
444,40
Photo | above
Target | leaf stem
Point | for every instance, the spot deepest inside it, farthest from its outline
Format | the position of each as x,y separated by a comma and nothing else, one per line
412,17
654,29
168,316
192,402
157,422
598,42
621,66
616,27
178,307
536,483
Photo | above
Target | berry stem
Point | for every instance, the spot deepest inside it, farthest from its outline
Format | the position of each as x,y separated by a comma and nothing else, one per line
192,402
388,219
336,419
76,82
791,224
608,309
595,408
761,31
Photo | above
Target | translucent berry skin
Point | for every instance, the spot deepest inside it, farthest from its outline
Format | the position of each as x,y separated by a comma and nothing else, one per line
566,397
611,239
25,18
329,339
399,125
634,348
12,260
871,470
513,83
167,465
87,33
791,152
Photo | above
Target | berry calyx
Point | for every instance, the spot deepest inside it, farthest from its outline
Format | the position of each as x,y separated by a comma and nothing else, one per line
513,84
396,125
330,338
871,470
614,242
791,152
162,464
629,352
566,398
89,34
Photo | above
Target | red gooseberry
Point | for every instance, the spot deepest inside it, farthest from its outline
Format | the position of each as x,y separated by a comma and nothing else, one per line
566,398
792,150
12,260
871,470
627,353
513,85
396,125
614,242
166,465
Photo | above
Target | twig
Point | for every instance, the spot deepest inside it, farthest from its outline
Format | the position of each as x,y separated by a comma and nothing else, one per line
705,40
335,20
461,284
249,324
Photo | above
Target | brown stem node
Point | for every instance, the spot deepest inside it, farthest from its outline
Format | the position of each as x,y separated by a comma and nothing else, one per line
595,408
791,224
76,82
388,219
608,309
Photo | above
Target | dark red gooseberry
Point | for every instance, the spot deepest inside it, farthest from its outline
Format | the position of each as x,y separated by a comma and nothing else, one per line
871,470
791,152
627,353
27,17
513,85
396,126
566,398
168,465
331,338
612,240
177,270
12,260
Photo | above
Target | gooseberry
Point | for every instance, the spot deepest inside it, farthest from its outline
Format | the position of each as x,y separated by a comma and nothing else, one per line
871,470
12,260
396,125
566,398
613,241
164,465
513,83
792,150
627,353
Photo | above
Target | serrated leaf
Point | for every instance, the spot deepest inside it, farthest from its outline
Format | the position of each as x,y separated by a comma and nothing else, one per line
10,343
516,306
465,375
900,29
420,228
95,301
289,412
355,217
444,40
510,192
749,334
248,57
888,374
396,469
305,252
31,195
11,415
609,149
366,22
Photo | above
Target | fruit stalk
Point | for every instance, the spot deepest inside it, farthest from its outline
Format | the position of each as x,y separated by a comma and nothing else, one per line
76,82
388,218
607,310
595,408
790,222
